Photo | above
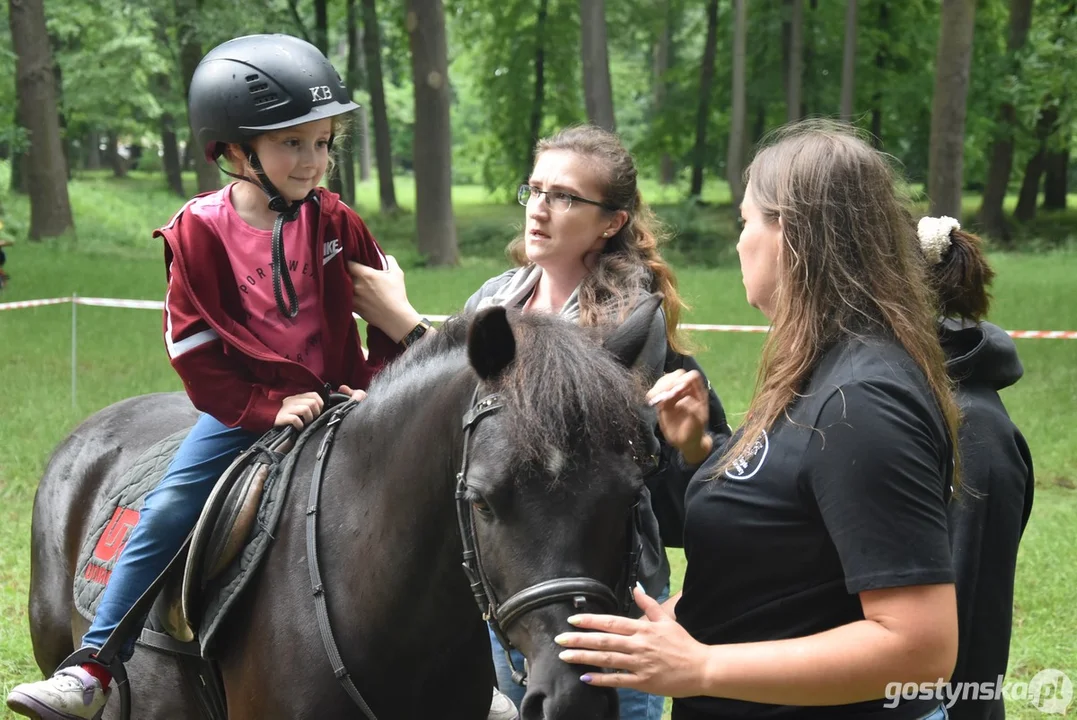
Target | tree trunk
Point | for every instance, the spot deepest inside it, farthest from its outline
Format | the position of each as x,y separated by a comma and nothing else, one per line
171,159
337,177
848,62
539,98
663,59
362,136
597,90
321,26
991,217
209,177
382,143
93,150
947,148
1037,164
880,65
1055,181
432,159
356,77
65,139
35,82
342,179
112,154
794,60
706,80
735,156
1030,188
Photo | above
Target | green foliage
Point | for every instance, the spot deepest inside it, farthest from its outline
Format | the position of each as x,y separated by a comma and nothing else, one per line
9,132
119,65
110,62
503,81
1048,73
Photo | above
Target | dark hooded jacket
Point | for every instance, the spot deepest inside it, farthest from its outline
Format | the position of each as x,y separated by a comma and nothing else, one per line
989,512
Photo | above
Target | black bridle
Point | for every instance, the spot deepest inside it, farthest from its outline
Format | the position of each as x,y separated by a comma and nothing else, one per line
578,590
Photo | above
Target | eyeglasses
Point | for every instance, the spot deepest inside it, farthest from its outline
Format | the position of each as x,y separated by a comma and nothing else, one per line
557,200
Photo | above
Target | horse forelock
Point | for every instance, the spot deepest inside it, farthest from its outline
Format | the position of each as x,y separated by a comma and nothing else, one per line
564,397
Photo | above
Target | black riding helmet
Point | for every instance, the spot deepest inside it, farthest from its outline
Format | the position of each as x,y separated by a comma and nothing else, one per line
255,84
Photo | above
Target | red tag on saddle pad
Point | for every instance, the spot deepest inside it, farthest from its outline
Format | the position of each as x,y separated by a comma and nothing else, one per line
110,545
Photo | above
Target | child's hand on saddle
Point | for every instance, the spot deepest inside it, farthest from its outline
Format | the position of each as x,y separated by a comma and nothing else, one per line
298,410
356,395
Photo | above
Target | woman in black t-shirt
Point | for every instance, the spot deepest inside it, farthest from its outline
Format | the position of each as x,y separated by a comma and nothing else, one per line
819,580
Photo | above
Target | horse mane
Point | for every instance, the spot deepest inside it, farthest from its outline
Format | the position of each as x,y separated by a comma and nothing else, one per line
562,391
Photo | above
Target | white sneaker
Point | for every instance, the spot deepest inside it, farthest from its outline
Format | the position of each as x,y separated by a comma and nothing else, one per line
70,694
501,708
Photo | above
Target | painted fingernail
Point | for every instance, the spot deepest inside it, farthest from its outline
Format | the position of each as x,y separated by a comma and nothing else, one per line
566,655
585,678
661,397
639,586
574,619
561,639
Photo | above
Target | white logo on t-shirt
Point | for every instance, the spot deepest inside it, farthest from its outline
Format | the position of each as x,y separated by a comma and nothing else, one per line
330,249
749,463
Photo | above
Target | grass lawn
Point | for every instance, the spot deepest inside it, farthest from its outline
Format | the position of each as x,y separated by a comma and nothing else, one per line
120,353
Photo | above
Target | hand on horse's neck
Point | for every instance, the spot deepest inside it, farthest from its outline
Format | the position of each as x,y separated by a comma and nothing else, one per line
555,286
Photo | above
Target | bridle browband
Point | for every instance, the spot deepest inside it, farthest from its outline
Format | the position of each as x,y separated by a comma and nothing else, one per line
578,590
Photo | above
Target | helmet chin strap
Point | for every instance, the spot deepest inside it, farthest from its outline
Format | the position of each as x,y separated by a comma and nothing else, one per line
286,213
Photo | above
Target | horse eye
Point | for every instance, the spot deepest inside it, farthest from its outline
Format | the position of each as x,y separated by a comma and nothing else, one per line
482,507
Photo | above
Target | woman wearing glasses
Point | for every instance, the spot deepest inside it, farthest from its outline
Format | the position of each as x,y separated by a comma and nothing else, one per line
588,253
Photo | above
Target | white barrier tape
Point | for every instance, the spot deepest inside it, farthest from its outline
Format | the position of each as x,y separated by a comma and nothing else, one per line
725,328
158,305
33,303
116,303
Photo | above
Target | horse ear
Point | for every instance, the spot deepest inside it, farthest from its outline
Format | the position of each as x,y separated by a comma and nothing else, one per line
628,340
491,346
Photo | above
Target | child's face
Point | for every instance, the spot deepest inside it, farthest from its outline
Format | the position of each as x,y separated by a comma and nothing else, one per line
295,159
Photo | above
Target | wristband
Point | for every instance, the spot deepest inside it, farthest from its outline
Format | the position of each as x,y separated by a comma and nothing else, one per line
417,332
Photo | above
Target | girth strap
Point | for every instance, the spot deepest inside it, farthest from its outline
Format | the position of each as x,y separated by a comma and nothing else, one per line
199,673
320,605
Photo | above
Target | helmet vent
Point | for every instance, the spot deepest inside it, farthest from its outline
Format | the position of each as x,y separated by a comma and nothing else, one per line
265,100
252,78
258,88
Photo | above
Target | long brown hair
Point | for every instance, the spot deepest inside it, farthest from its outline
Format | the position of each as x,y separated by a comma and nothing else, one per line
630,263
849,265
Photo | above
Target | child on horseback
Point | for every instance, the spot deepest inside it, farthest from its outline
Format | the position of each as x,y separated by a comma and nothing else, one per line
257,318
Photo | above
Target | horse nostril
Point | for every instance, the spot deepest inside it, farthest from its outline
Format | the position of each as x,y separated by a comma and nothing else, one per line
531,708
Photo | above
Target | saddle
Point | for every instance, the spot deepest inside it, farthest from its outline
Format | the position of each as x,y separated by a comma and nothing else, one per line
224,527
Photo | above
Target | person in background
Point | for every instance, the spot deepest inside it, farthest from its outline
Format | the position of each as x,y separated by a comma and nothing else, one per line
989,515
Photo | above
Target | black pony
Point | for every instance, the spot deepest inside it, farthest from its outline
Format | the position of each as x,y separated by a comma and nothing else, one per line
512,436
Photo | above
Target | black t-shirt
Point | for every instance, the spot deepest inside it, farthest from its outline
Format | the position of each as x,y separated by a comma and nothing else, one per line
846,493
